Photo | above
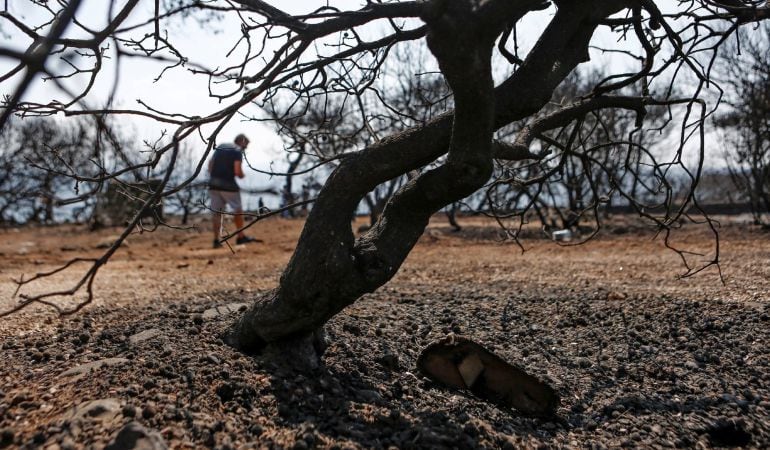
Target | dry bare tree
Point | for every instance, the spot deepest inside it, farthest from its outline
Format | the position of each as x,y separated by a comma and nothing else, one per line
580,192
323,127
331,52
314,132
193,197
745,73
34,157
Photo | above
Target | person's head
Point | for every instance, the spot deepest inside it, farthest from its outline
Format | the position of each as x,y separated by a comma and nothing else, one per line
242,141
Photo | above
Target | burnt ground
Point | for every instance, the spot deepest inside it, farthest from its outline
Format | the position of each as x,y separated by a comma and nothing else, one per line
640,358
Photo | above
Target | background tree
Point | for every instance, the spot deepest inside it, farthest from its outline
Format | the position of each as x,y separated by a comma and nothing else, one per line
193,197
37,158
575,187
348,117
494,83
315,134
745,70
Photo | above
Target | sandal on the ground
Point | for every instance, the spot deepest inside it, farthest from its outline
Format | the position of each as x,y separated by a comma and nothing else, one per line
461,363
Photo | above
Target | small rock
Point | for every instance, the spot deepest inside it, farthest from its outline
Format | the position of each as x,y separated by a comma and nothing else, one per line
6,437
148,412
103,410
389,361
135,437
369,396
128,411
255,429
353,329
38,438
691,365
583,363
729,398
222,310
83,369
67,443
84,337
143,336
19,399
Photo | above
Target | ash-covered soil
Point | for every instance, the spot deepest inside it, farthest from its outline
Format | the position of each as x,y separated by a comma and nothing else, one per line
639,358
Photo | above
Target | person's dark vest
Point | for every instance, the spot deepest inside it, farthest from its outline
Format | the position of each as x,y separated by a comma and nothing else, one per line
223,168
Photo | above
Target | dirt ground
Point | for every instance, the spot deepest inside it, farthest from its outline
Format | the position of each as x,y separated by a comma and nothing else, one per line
640,357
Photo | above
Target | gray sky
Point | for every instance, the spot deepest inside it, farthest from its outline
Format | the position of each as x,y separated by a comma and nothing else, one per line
206,44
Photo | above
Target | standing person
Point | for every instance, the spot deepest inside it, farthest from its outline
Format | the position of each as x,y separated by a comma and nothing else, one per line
224,166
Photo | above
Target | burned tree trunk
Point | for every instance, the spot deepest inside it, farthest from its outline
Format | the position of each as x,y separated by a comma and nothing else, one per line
331,268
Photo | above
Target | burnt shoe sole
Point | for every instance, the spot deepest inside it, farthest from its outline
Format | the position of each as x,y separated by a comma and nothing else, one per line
461,363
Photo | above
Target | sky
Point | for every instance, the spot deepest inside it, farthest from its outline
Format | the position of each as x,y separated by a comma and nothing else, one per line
177,90
205,44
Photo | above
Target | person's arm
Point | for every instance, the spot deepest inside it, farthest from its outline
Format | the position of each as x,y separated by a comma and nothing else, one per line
238,169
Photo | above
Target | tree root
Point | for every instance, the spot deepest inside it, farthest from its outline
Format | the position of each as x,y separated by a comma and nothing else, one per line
301,353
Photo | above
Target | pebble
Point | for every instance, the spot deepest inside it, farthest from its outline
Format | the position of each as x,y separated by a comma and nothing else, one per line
369,396
128,411
389,361
84,369
67,443
217,311
149,411
19,398
102,410
143,336
6,437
